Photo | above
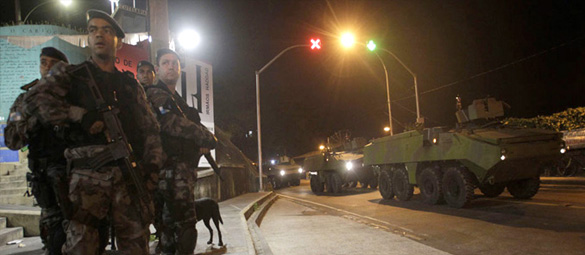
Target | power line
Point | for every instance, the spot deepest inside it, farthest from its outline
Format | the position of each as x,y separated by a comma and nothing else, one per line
495,69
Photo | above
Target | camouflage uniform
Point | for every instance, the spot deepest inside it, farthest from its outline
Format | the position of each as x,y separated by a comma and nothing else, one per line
182,135
47,165
63,101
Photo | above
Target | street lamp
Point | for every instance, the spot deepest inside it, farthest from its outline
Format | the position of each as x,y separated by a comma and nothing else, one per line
418,119
189,39
315,45
347,40
17,6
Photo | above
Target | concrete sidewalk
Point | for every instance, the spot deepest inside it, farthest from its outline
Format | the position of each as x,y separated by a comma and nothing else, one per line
235,212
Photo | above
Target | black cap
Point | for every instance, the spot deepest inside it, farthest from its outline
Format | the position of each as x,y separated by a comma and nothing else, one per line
93,13
164,51
54,53
144,63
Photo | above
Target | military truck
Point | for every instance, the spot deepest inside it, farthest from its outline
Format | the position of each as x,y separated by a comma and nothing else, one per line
283,172
339,164
447,165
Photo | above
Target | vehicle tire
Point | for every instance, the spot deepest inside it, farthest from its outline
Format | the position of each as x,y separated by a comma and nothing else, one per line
316,185
490,190
402,188
567,166
373,183
272,182
352,184
524,189
431,187
458,186
335,183
364,184
277,183
385,182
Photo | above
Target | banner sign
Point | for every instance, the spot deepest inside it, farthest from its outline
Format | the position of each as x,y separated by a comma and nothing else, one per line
196,87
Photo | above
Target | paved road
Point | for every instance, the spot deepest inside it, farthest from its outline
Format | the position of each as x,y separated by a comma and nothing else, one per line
550,223
285,229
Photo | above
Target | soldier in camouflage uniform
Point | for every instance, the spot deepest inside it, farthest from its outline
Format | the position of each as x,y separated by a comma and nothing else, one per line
45,158
97,183
184,140
145,73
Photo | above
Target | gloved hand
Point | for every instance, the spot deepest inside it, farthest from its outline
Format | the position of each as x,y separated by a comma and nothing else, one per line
151,176
92,123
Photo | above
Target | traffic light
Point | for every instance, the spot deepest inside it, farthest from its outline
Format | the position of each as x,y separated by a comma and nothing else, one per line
315,44
371,45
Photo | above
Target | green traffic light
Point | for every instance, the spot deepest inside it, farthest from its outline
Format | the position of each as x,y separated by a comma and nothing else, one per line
371,45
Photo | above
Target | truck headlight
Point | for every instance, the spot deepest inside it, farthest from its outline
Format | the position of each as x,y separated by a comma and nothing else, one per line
282,172
349,165
300,170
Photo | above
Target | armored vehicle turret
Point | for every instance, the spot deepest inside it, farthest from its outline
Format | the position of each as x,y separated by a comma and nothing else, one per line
447,165
339,164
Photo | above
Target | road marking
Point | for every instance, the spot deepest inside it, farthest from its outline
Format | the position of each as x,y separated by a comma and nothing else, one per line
396,229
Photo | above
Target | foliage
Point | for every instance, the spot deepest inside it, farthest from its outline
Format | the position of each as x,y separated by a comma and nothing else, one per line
572,118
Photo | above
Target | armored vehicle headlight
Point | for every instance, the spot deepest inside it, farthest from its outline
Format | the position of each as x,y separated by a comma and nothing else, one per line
503,157
349,165
300,170
434,140
282,172
563,150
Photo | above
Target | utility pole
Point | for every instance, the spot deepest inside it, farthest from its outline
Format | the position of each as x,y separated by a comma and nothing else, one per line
158,26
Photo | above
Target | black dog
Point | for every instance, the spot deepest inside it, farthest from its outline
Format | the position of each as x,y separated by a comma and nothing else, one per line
206,209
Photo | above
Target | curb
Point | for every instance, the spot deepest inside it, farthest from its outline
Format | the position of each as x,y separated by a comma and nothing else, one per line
245,215
563,180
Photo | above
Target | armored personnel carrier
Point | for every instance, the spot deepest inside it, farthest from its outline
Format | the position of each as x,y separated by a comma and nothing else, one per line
283,172
340,164
447,165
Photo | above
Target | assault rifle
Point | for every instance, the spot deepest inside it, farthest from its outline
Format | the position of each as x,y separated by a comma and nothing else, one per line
118,148
207,156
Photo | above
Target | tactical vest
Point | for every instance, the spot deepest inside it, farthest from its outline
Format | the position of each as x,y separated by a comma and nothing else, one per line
177,147
118,90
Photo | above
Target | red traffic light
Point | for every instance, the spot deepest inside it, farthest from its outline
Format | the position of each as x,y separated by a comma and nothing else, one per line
316,44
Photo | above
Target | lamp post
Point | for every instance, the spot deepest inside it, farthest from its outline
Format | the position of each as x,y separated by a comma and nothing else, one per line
347,40
418,119
387,95
17,8
258,72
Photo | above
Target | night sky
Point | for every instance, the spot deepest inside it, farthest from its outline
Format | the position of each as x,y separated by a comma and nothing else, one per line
530,54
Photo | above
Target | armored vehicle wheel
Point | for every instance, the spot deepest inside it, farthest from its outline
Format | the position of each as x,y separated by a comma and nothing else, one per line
431,188
278,183
524,189
402,188
364,184
490,190
335,183
316,185
272,182
352,184
385,182
458,187
373,183
295,182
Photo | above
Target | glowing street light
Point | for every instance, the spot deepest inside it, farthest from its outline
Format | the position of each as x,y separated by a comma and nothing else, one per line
65,3
189,39
371,45
347,40
386,129
321,147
